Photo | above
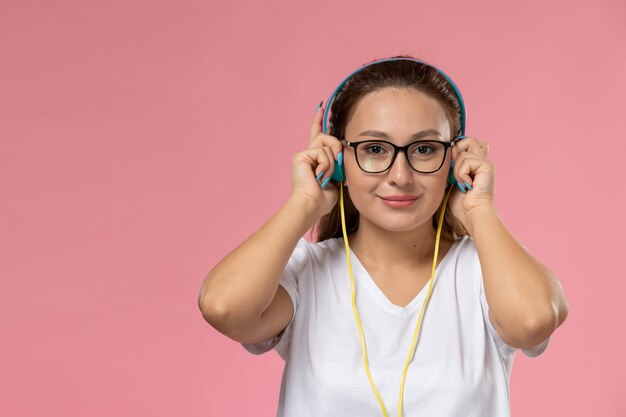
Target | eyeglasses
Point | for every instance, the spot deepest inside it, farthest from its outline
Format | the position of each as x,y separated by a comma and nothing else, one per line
425,156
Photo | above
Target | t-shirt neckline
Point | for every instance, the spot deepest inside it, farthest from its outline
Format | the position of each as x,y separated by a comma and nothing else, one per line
359,271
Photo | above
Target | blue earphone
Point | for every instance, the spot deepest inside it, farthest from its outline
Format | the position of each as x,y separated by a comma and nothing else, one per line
338,174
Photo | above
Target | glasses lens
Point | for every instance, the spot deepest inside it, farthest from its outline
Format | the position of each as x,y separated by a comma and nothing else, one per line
374,156
427,156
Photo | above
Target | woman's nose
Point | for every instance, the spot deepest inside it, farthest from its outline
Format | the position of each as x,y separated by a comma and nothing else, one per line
400,171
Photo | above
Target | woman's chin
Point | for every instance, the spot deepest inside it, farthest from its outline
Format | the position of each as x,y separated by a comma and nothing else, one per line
406,224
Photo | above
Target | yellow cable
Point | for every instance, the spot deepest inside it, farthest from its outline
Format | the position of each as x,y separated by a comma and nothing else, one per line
419,319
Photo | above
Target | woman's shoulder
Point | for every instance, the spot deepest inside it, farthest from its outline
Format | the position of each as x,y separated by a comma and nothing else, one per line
465,242
324,252
319,248
465,246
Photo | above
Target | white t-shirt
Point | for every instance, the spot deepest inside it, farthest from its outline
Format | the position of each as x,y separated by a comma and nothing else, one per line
461,366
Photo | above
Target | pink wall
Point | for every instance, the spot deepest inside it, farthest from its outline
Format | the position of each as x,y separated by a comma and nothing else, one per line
142,141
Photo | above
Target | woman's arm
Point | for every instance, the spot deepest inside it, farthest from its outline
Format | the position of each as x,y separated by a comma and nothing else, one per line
240,297
526,300
239,289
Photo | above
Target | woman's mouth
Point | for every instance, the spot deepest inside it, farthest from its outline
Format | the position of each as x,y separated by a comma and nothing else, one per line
399,201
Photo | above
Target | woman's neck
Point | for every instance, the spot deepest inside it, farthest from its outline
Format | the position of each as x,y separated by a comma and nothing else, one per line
395,250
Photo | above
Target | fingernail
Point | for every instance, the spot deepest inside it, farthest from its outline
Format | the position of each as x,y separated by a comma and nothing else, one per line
318,106
468,186
460,186
325,182
319,176
340,158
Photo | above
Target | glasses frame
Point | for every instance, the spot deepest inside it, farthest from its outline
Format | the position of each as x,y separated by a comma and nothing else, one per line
403,149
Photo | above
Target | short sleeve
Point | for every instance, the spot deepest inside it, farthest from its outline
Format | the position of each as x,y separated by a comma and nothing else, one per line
506,350
532,352
298,260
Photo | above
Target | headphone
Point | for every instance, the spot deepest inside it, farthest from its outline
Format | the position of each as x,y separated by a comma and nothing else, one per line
339,176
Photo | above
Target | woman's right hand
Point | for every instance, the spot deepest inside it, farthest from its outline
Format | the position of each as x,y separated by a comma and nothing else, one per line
321,154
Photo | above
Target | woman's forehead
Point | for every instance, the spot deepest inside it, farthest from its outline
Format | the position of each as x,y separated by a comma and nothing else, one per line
399,113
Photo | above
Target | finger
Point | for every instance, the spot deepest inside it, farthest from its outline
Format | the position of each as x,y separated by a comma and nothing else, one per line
330,141
316,127
465,166
484,146
317,158
328,172
470,145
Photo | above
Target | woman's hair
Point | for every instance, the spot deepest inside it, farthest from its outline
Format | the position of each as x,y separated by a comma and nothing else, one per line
400,74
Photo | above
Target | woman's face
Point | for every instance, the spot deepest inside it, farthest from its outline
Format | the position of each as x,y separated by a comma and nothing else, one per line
398,113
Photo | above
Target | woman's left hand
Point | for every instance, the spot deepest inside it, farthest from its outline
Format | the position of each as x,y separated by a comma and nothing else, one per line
471,166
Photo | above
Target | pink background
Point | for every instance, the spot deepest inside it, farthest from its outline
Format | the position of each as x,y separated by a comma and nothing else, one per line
143,141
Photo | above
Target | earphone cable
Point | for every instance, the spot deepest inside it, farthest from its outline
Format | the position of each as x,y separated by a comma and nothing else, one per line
419,320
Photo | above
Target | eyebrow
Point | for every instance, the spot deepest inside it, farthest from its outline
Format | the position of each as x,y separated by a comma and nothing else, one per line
414,136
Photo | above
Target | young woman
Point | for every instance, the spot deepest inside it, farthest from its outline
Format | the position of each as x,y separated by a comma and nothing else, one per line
395,126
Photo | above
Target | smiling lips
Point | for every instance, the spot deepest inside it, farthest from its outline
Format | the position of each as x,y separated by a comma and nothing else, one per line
399,201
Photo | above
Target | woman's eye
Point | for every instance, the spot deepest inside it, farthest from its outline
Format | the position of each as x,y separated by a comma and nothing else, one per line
375,149
424,149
